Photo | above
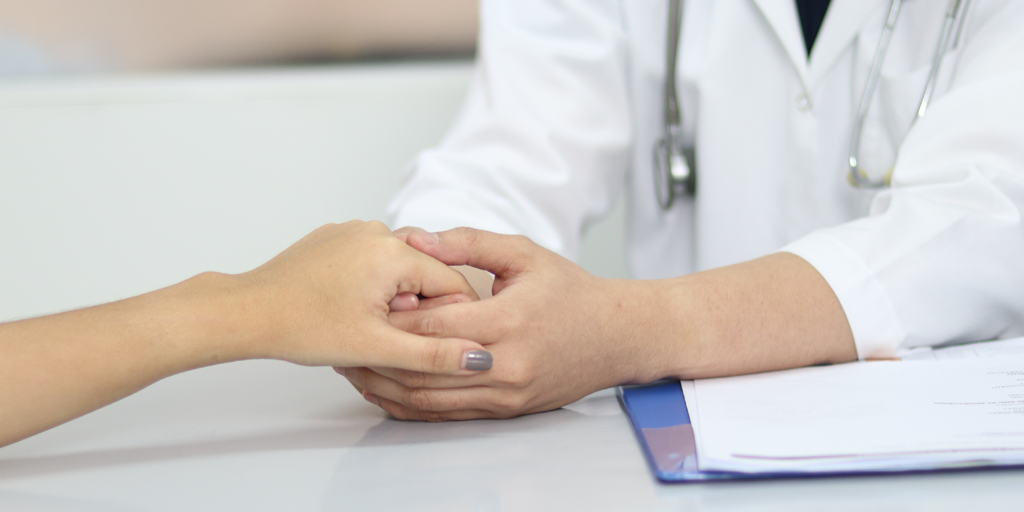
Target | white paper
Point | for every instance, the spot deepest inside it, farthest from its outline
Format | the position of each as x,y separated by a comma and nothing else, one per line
690,397
862,417
1000,348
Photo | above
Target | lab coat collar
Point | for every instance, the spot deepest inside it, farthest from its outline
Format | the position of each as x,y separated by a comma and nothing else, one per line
784,20
842,23
844,20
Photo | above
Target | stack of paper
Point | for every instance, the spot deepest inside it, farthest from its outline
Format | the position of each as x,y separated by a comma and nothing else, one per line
876,416
1000,348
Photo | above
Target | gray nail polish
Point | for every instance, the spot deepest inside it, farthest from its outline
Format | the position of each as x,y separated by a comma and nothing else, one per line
477,360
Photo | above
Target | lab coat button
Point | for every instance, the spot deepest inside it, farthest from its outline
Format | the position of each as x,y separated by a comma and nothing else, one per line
803,103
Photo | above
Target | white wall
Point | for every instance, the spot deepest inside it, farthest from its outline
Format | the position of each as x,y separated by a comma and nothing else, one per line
113,186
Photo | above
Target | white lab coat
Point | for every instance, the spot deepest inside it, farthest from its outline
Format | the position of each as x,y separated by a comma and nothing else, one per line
566,106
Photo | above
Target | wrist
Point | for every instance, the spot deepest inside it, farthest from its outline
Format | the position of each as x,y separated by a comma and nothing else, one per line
206,320
661,330
634,327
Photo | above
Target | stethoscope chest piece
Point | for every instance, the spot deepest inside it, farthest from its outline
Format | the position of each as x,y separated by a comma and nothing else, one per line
674,171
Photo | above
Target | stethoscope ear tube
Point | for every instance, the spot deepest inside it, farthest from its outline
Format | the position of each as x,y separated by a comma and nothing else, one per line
956,12
856,175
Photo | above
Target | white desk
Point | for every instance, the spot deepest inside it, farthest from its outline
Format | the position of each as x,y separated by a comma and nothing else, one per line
269,436
110,188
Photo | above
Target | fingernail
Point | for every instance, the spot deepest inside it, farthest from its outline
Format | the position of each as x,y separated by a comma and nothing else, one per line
372,398
436,240
477,360
340,370
404,302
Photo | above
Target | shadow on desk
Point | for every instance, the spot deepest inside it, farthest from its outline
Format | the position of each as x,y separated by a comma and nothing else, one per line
310,439
388,432
32,502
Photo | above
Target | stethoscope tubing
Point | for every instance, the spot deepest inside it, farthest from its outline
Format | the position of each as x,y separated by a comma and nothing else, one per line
674,169
956,11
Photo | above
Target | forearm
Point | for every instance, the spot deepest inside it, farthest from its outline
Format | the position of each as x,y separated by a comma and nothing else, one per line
771,313
56,368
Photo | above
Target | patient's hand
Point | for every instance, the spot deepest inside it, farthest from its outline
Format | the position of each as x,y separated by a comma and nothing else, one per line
557,333
326,301
323,301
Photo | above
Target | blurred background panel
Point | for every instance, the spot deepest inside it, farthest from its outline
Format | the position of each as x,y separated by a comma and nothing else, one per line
43,36
130,158
112,185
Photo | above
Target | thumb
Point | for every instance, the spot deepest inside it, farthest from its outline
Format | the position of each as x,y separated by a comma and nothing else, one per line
452,356
403,232
500,255
429,277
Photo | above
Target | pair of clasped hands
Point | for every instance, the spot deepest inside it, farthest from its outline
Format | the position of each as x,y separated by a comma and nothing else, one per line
557,333
521,347
387,310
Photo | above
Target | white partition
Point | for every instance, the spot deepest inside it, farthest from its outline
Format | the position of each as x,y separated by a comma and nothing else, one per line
112,186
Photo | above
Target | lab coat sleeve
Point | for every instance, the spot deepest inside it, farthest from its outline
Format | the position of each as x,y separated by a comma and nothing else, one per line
940,258
541,145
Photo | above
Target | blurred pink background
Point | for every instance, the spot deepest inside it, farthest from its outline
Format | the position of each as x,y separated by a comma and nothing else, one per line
44,36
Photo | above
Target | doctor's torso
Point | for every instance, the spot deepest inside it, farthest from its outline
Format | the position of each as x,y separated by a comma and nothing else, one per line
567,103
771,128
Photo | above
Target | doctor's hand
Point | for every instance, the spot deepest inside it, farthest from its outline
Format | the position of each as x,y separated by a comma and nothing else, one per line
557,334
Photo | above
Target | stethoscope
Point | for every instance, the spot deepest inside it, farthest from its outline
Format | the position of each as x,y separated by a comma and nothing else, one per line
674,170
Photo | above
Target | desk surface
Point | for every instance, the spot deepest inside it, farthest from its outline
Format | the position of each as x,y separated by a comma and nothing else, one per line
158,179
264,435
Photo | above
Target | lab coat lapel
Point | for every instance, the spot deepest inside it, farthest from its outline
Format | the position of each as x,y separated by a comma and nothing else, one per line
844,20
784,20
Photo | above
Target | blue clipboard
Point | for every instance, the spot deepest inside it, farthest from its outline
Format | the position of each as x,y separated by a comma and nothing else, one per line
658,414
662,426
